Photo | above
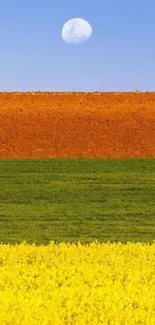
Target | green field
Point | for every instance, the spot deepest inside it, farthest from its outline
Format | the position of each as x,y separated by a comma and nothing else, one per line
77,200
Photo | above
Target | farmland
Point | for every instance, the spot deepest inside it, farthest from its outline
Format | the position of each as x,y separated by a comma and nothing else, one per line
77,212
77,199
71,125
99,284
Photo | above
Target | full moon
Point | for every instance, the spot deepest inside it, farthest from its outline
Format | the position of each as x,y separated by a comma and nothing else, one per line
76,31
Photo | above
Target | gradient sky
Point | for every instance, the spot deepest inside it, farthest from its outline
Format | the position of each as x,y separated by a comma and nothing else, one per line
120,55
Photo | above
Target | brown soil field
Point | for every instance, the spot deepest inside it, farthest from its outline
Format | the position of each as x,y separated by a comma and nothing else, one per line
69,125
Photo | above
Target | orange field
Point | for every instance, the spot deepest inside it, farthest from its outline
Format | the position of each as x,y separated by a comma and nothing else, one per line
67,125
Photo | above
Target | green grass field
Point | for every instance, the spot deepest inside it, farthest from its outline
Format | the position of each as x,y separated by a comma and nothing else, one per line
77,200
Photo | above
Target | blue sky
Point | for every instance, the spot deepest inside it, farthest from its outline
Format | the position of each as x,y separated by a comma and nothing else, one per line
120,55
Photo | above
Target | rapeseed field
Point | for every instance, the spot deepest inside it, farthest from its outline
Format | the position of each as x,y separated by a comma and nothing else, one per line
75,284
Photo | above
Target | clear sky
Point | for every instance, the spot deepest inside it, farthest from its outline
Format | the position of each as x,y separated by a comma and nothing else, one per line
120,55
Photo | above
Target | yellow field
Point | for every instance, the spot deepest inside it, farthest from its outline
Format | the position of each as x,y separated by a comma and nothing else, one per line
68,284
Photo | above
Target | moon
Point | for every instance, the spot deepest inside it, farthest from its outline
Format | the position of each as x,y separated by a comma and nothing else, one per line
76,31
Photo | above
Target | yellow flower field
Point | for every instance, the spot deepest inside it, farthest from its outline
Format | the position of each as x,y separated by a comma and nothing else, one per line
74,284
